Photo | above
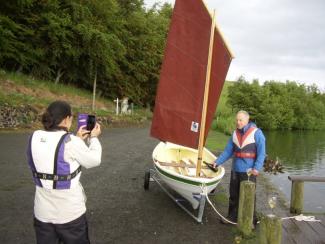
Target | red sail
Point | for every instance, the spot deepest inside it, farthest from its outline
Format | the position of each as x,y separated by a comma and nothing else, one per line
178,106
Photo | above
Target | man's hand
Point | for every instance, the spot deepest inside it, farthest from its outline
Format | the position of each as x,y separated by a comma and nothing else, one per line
255,172
215,165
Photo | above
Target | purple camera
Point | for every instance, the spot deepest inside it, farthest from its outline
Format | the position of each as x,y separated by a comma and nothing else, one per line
88,120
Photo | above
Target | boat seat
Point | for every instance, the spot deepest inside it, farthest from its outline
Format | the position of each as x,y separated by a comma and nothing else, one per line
183,167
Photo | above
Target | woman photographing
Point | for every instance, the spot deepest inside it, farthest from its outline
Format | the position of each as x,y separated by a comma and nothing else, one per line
55,157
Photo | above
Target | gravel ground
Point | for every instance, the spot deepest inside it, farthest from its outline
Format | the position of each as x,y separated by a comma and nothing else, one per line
118,208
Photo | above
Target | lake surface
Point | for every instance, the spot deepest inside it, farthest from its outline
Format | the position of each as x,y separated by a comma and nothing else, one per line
302,153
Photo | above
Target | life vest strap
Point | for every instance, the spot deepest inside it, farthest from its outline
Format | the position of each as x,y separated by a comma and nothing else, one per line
245,155
53,177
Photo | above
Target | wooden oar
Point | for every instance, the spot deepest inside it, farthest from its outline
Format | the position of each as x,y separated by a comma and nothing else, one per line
180,167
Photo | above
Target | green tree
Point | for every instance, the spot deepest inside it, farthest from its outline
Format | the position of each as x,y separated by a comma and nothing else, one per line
17,52
277,105
69,41
144,36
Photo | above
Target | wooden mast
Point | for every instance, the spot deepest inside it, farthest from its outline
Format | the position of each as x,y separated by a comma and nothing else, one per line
205,98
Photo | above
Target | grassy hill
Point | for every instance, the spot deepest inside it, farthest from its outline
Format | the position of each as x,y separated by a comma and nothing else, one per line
26,98
17,89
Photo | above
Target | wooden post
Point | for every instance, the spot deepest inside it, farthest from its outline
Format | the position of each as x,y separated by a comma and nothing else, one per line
246,207
297,197
270,230
94,92
205,98
297,190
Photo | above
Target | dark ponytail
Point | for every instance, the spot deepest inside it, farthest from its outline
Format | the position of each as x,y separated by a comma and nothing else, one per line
54,115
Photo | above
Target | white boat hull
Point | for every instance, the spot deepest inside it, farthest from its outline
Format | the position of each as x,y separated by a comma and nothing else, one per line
185,183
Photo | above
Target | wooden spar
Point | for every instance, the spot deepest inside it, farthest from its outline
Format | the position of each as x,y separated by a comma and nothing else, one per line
220,32
205,98
94,92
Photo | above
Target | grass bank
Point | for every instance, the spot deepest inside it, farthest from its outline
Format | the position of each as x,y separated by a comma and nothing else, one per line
216,141
21,90
18,92
224,116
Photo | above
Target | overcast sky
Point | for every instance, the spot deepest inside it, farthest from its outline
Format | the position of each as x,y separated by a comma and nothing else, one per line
273,39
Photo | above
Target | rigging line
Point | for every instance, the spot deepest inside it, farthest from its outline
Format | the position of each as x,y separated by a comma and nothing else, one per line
205,192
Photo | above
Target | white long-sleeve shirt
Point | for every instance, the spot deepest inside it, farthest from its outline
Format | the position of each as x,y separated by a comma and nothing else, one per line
59,206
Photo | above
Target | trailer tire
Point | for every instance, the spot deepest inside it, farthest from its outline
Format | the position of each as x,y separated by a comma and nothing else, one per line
146,179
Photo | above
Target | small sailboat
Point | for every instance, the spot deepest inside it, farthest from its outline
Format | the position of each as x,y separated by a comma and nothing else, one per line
195,65
176,165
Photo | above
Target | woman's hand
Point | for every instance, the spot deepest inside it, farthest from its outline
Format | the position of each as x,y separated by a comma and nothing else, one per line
82,133
96,131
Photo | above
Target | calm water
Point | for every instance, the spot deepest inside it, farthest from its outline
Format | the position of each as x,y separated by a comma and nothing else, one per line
302,153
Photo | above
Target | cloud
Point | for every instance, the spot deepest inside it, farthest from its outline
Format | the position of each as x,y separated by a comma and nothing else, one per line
279,40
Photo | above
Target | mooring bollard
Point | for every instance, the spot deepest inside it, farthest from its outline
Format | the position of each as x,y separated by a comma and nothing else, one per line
246,207
270,230
297,197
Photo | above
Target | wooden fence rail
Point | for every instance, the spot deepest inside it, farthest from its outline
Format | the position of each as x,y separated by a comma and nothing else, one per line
297,191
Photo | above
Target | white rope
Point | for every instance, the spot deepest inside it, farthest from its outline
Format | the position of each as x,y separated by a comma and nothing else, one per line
302,217
205,192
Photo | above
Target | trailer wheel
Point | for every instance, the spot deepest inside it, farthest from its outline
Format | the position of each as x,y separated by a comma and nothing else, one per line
146,179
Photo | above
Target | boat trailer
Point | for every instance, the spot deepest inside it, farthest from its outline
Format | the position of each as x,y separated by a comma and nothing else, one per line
151,175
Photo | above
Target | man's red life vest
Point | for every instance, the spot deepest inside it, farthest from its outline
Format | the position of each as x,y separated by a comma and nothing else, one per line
244,145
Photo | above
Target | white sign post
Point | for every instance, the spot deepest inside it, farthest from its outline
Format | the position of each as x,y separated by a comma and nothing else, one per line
117,108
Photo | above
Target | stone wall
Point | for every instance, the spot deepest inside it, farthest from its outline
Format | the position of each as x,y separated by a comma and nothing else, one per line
17,116
25,116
